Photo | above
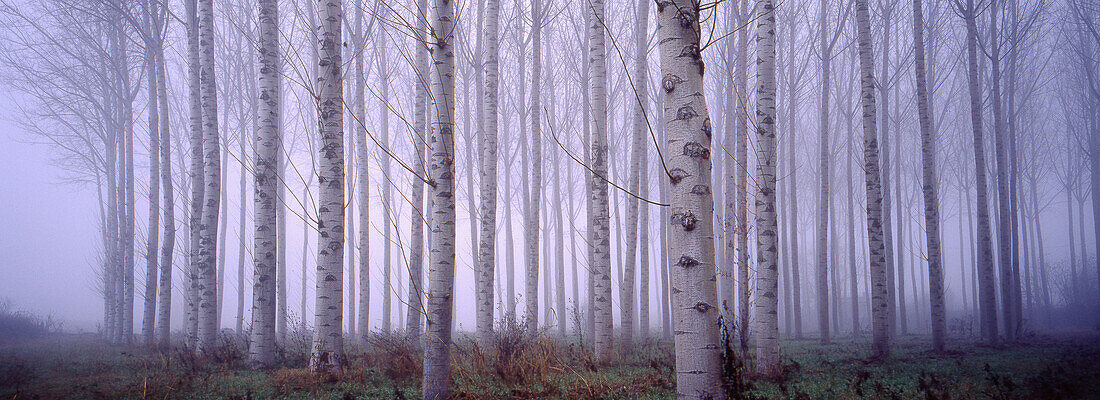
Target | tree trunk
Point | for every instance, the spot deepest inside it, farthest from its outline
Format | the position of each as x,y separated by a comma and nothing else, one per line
152,244
984,261
380,41
691,226
197,175
328,339
268,143
168,244
930,183
208,225
1004,225
599,229
420,125
488,166
437,355
767,278
824,155
362,176
532,220
638,136
877,247
742,155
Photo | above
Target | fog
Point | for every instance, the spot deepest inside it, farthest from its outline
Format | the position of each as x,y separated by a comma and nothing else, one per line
66,134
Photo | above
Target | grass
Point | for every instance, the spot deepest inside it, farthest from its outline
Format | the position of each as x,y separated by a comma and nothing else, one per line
85,367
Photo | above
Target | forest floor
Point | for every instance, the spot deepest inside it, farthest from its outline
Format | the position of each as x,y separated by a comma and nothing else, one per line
84,367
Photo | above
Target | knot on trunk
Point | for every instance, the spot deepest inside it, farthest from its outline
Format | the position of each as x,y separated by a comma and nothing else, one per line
687,261
696,150
687,219
670,81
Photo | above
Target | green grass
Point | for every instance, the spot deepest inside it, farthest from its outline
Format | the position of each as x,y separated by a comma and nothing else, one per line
83,367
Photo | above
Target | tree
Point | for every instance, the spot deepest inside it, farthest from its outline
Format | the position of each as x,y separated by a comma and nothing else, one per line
931,197
638,147
531,230
328,339
261,350
767,223
486,256
420,122
362,176
441,172
987,294
880,303
208,225
168,243
152,239
691,224
599,228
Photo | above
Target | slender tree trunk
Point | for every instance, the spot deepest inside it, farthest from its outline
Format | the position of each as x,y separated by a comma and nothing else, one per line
243,214
824,155
988,301
152,243
792,229
532,221
851,206
599,229
208,225
691,226
488,166
420,136
261,350
381,39
742,156
168,244
328,338
1004,224
362,177
767,278
875,235
437,356
198,186
638,146
929,178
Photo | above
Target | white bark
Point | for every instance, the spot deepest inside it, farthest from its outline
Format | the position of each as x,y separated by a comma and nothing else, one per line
880,302
328,338
420,122
488,166
261,350
691,224
599,229
441,172
931,197
208,225
532,221
767,227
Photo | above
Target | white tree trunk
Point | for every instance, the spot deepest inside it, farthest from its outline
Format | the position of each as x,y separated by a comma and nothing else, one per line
880,302
488,165
599,229
328,337
767,227
420,122
691,224
362,176
441,172
208,225
984,262
168,244
931,197
152,243
639,134
261,350
197,175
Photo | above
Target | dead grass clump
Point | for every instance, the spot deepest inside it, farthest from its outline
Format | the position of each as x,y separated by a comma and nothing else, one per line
289,380
395,355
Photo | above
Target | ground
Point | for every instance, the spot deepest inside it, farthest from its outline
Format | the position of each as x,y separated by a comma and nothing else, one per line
85,367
